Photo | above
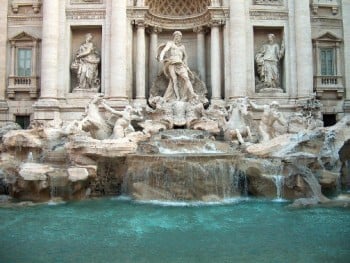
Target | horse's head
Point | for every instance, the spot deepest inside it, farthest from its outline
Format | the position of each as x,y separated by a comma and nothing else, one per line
242,105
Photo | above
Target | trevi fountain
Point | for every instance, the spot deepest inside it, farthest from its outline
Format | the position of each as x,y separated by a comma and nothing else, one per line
181,177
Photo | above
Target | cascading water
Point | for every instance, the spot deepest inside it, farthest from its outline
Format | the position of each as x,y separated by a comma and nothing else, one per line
279,182
30,158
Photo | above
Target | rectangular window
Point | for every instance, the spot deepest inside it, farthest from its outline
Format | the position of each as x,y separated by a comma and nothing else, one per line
327,62
24,62
23,121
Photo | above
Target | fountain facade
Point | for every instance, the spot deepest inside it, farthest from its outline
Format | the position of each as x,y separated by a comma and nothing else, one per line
165,107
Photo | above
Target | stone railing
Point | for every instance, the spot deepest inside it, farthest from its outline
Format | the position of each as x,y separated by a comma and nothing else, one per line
23,84
329,84
333,4
268,2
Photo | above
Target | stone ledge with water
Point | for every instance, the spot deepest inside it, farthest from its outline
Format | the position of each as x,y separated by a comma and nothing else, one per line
143,154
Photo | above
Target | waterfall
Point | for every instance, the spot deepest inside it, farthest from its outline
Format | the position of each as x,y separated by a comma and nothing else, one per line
279,182
30,158
244,191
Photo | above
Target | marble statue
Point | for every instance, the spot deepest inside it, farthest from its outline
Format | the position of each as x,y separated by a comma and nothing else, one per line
267,62
93,122
85,64
236,126
122,126
174,58
270,115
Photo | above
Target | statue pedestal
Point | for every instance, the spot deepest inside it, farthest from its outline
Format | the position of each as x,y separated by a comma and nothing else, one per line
82,90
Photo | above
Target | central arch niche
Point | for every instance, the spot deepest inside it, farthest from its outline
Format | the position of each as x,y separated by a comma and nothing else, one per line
176,8
178,14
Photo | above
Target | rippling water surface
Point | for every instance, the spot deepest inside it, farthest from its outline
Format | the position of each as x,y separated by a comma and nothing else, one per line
114,230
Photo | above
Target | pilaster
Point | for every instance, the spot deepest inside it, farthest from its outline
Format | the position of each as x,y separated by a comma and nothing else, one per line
303,46
346,28
3,60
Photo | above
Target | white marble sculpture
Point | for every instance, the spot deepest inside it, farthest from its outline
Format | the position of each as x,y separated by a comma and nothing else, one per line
174,58
85,65
267,61
269,117
122,126
236,127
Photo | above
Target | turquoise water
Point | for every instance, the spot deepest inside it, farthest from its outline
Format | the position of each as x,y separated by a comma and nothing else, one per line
111,230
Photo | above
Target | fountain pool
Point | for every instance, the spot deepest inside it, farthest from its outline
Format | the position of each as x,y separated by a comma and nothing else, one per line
115,230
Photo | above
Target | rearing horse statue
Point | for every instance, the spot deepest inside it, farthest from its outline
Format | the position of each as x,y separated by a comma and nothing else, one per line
236,126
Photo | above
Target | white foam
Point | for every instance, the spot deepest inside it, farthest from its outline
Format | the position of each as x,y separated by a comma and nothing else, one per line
192,203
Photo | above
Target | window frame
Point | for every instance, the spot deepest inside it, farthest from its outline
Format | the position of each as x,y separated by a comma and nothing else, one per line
28,62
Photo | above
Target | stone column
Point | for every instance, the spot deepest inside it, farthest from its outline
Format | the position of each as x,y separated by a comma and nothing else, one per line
303,46
152,61
346,29
227,62
290,48
215,61
201,52
3,61
118,54
50,46
238,42
140,61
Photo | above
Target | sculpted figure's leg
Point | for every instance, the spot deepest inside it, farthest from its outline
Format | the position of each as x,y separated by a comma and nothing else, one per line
263,133
239,137
249,133
174,80
188,85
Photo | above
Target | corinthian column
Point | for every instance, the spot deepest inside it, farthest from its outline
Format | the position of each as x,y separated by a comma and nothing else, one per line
201,52
118,53
303,47
215,62
238,49
153,63
140,61
50,47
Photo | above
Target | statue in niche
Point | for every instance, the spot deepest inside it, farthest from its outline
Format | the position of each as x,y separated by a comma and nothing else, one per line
267,63
85,65
174,58
270,116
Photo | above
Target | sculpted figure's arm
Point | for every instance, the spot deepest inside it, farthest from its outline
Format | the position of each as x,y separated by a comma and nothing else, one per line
255,106
110,109
165,49
86,52
280,119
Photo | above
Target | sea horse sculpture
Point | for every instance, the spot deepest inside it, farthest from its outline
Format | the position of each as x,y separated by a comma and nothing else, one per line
236,126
